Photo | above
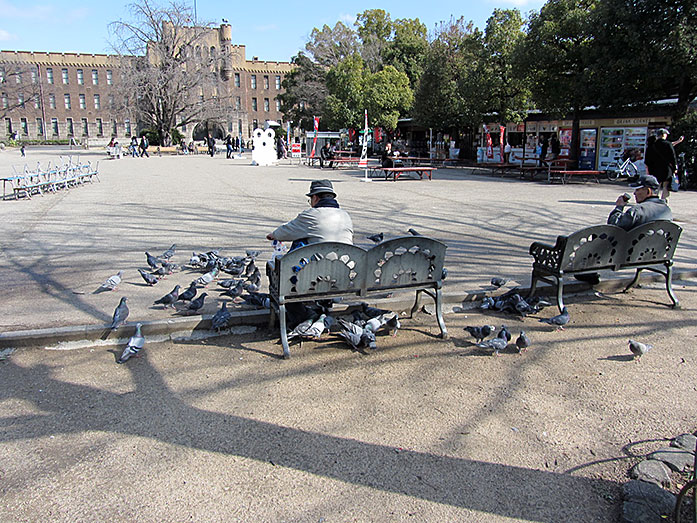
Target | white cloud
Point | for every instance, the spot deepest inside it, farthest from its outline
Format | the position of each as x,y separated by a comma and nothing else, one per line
6,36
347,19
36,12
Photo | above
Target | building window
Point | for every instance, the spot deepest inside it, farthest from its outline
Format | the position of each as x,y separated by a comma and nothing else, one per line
254,107
5,101
39,127
85,129
229,127
24,126
83,104
95,77
97,103
49,75
266,105
127,124
52,101
254,81
278,82
109,78
278,105
114,128
66,99
8,126
239,127
111,101
64,74
100,129
20,100
237,79
54,126
71,131
34,78
238,103
266,81
80,77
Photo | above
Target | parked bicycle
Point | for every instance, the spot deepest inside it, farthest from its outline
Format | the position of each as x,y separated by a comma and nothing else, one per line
621,169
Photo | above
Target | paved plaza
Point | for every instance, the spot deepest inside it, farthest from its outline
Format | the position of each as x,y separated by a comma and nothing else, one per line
421,430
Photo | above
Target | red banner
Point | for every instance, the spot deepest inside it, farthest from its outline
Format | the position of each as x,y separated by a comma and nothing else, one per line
377,133
314,141
502,130
489,143
352,135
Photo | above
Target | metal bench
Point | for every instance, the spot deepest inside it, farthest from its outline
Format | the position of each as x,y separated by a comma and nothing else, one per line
607,247
329,270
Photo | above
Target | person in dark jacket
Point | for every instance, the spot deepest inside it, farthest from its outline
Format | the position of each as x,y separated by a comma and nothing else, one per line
543,151
649,206
664,162
555,146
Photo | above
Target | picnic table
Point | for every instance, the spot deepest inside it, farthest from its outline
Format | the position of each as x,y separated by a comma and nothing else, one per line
396,172
564,175
502,167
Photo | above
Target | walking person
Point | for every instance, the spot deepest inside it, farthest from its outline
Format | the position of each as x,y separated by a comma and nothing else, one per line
664,162
211,145
144,147
228,146
134,147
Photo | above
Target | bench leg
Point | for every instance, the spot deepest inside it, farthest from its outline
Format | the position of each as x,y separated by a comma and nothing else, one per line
634,281
272,317
439,313
533,285
284,330
415,307
669,285
560,293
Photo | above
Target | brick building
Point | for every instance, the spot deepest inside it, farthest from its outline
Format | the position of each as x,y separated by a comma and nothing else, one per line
64,95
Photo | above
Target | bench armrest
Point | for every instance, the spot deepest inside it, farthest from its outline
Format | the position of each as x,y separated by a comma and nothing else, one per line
548,256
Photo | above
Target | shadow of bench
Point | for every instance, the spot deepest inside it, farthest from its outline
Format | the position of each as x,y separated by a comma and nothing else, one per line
329,270
650,246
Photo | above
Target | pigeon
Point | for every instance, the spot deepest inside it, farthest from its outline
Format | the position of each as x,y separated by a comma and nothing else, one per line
233,270
257,299
497,344
376,238
120,313
393,325
221,318
356,336
504,333
250,287
252,254
210,265
170,267
249,270
522,307
229,282
310,328
372,312
208,277
559,320
443,273
235,291
111,282
196,304
167,255
189,293
413,232
134,345
639,349
153,262
169,299
150,279
255,278
487,303
522,342
195,260
498,282
479,333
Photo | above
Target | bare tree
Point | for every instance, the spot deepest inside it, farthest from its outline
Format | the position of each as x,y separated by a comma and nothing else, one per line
19,87
171,78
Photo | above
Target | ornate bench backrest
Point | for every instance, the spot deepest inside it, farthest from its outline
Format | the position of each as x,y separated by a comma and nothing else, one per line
321,269
651,242
597,247
408,261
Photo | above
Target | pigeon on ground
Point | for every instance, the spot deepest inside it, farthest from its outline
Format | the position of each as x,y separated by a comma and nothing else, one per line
496,344
150,279
170,267
195,260
252,254
134,345
250,287
208,277
376,238
111,282
522,342
479,333
255,278
443,273
393,325
229,282
167,255
189,293
639,349
498,282
504,333
120,313
153,262
356,336
234,292
221,318
257,299
372,312
169,299
309,329
413,232
196,304
487,303
249,269
233,269
559,320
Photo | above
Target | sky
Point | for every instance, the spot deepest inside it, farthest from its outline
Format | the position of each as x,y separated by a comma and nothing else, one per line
271,30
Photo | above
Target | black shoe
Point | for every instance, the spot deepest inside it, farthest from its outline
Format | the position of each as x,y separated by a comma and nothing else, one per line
593,278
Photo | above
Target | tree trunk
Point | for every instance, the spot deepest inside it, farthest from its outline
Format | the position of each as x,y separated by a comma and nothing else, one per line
575,137
686,93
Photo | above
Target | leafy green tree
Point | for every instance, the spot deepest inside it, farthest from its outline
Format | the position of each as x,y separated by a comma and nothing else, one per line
345,103
329,46
559,55
387,96
374,28
304,93
407,49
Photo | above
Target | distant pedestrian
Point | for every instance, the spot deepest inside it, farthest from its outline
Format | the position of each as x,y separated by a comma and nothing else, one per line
664,162
555,146
228,145
211,145
134,147
22,150
144,146
544,145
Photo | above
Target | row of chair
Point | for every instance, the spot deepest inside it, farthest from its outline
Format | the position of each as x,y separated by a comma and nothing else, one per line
66,173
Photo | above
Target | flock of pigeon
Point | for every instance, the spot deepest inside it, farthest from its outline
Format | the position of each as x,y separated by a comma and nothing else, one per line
242,287
512,302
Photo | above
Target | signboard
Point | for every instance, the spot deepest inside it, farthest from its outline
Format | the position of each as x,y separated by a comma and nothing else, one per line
295,150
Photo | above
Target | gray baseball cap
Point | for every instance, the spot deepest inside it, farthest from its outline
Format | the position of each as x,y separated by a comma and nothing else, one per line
661,131
321,187
648,181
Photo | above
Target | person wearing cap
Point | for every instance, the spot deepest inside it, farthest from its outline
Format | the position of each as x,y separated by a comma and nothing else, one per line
324,221
649,207
664,162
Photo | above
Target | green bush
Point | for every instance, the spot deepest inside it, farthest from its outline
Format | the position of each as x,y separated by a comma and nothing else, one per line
687,127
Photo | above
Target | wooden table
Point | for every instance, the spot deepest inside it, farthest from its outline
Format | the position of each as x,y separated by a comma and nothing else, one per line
396,172
565,175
